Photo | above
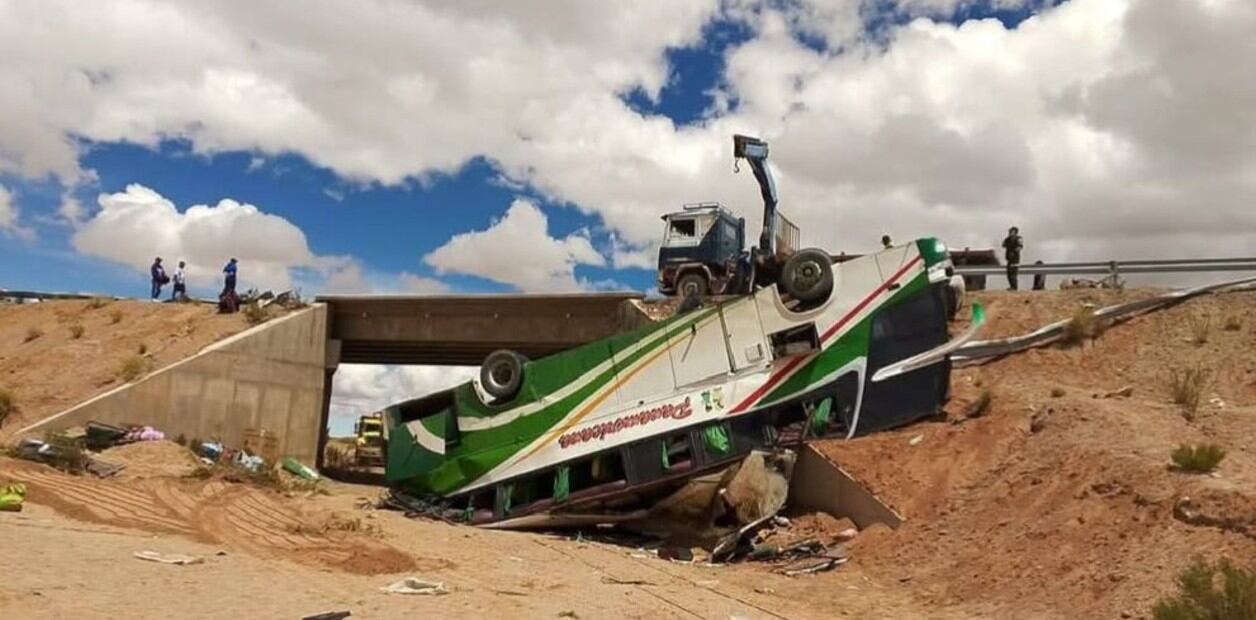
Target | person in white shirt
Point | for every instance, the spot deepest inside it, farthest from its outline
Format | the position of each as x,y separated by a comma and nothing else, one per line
180,284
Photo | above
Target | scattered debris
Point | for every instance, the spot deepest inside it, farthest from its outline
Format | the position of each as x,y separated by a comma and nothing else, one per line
1124,392
330,615
678,554
626,582
177,559
11,497
414,585
299,469
915,441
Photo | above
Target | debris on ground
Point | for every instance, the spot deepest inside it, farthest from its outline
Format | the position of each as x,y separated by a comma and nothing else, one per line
330,615
11,497
299,469
414,585
176,559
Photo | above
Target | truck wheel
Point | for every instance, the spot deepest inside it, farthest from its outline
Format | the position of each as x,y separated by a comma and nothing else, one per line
692,284
808,275
501,375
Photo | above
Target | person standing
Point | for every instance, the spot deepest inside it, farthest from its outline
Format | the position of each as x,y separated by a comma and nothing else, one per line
1012,246
885,242
158,274
229,281
180,291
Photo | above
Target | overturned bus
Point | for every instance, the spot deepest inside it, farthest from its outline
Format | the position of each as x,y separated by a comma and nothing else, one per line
619,421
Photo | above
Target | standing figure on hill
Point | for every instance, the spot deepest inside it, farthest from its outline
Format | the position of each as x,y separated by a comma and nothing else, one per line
180,291
159,277
228,301
229,281
885,242
1012,245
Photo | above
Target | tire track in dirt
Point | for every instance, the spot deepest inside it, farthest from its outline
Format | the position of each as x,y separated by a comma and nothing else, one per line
234,515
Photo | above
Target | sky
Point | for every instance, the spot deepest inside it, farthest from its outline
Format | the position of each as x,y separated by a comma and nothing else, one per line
412,146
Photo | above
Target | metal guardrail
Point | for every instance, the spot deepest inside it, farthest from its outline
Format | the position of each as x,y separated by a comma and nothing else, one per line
1117,267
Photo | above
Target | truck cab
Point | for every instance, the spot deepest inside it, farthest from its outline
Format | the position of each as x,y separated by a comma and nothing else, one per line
702,244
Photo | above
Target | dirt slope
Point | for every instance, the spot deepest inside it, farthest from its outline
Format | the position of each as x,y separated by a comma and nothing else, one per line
1058,502
54,370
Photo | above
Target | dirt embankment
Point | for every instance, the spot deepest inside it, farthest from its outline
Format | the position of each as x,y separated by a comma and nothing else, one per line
47,369
1058,499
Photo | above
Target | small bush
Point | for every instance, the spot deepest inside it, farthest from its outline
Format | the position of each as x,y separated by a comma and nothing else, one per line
142,349
1233,323
1083,326
1200,326
8,404
32,333
981,405
1198,459
255,314
76,331
1220,591
115,316
181,440
1186,386
97,303
1057,392
132,368
66,454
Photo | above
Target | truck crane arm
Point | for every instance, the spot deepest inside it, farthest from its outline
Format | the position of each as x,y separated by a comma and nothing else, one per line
755,152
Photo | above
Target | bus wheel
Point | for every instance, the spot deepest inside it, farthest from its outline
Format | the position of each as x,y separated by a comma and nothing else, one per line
808,276
501,375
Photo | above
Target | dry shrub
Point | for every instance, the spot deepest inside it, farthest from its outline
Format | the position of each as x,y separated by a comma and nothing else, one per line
142,349
1083,326
981,404
255,314
115,316
1220,591
66,454
8,404
32,333
97,303
1233,323
338,523
1057,392
1186,386
76,330
132,368
338,455
1200,327
1198,459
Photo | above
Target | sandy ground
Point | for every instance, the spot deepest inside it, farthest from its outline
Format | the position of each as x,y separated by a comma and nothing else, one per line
1056,502
54,371
58,566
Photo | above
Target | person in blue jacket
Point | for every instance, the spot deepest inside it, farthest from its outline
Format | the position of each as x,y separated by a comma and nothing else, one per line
229,271
159,277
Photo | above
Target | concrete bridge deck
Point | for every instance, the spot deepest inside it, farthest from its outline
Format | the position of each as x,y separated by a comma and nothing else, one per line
464,329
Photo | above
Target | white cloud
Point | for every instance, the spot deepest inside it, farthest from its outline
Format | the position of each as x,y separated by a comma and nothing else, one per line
349,277
70,209
1102,127
10,215
358,389
518,250
138,224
